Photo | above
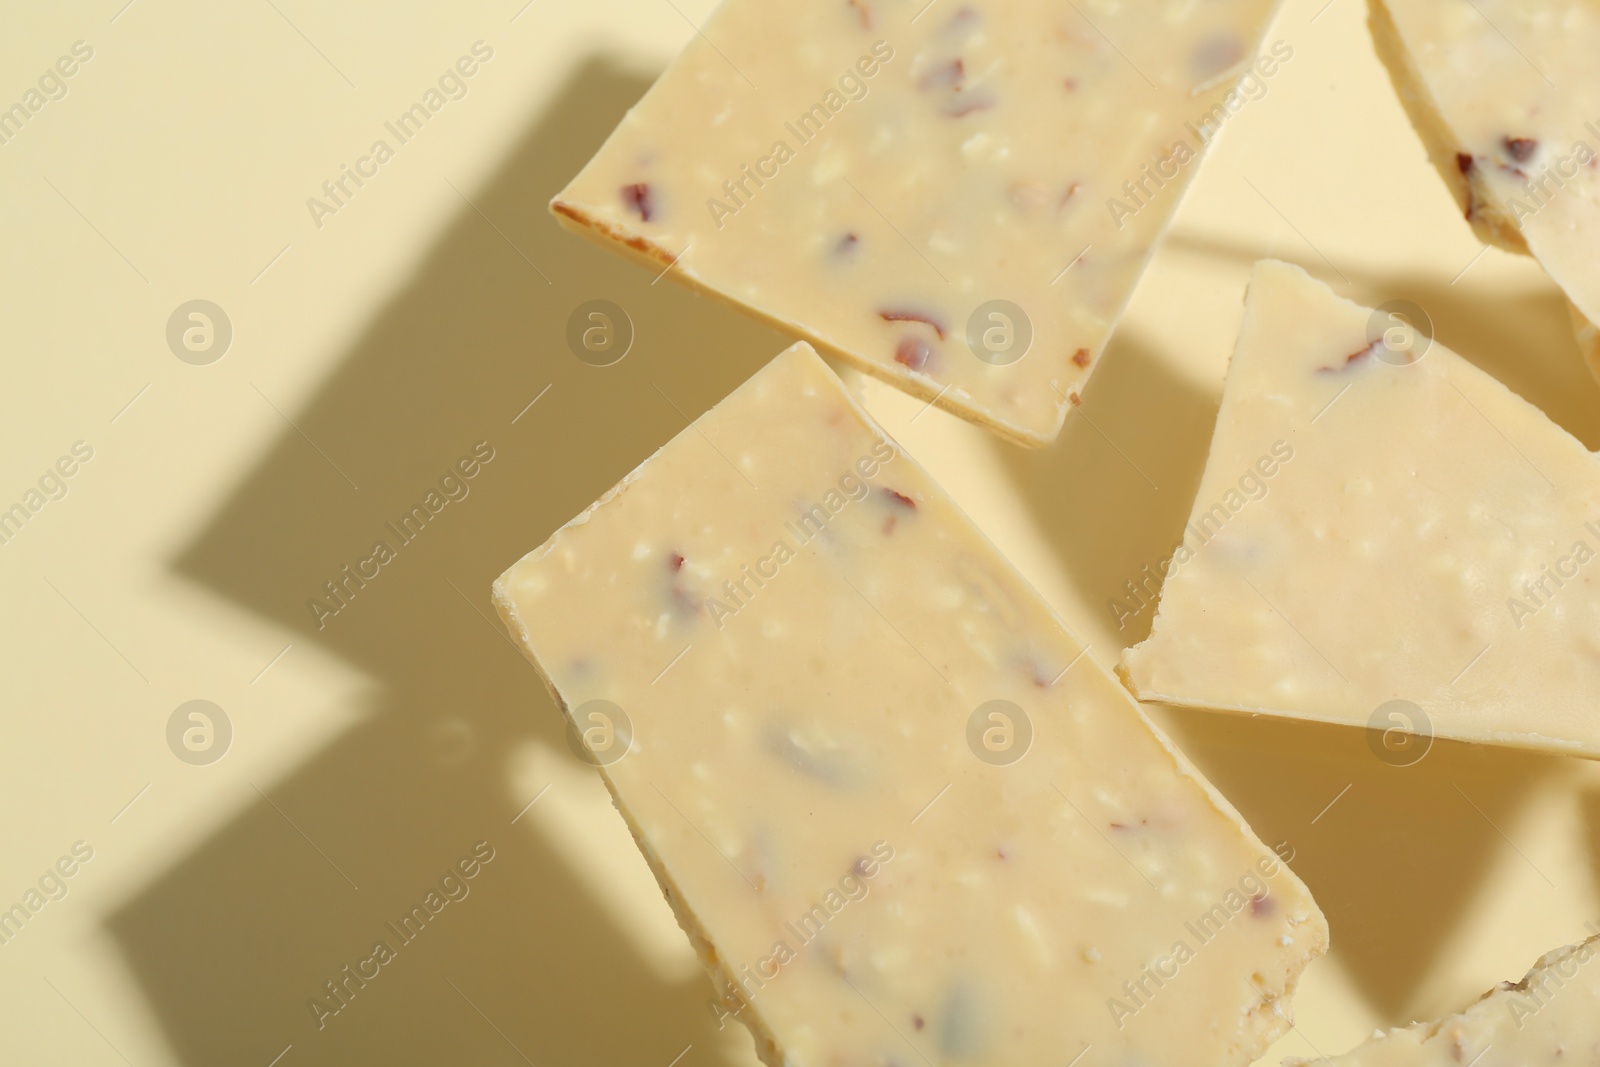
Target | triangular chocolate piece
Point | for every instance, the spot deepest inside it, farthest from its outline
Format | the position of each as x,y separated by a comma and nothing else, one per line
957,196
1384,535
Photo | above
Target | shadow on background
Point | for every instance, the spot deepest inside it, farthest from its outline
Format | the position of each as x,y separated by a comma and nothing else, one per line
1589,808
233,941
1113,493
1394,861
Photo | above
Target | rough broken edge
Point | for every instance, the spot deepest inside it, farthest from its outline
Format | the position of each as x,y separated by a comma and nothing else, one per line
950,398
1123,672
1427,1031
1258,1027
766,1045
1491,224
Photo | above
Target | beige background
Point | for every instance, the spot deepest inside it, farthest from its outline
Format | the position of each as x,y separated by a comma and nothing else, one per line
371,352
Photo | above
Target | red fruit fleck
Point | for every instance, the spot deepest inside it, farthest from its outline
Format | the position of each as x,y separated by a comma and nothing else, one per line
1521,149
846,247
912,352
902,315
864,12
1353,357
1261,906
1071,84
1075,400
900,498
944,76
675,561
1080,358
1464,162
637,196
1001,852
888,526
917,1022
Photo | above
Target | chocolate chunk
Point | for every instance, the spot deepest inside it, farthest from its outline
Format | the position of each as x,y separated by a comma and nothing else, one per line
637,196
1521,149
900,498
901,315
912,353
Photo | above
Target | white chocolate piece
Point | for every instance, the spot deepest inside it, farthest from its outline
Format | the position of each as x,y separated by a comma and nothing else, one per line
1506,96
1549,1019
1372,530
871,175
802,629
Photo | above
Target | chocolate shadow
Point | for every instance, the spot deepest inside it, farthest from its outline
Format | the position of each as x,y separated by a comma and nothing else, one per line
231,943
